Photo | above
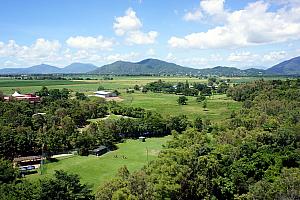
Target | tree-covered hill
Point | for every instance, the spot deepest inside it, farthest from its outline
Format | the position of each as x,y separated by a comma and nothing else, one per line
289,67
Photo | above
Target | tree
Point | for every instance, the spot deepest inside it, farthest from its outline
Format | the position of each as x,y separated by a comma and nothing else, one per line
65,186
136,87
101,87
116,92
80,96
182,100
1,96
178,123
198,123
204,105
43,92
7,172
144,90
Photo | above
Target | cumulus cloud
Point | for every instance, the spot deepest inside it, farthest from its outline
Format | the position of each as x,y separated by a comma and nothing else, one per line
82,42
193,16
138,37
253,25
212,7
129,22
130,27
40,50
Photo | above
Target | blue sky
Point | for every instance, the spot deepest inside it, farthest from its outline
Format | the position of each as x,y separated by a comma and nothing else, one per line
194,33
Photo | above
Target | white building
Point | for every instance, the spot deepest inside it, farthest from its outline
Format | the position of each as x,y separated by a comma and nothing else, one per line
104,94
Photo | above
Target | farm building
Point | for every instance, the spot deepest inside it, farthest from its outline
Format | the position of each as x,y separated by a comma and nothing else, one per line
99,151
105,94
27,97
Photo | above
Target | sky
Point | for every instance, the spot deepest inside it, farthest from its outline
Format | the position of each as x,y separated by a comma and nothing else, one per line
192,33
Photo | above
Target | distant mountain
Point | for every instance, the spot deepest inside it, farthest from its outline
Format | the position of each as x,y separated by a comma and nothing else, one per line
42,69
289,67
77,68
148,66
222,71
73,68
37,69
156,67
254,72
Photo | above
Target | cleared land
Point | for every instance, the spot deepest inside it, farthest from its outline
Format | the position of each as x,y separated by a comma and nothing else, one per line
96,170
219,107
8,86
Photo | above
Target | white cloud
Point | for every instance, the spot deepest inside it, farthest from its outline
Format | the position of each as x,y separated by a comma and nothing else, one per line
82,42
150,52
129,22
124,57
130,27
41,50
170,57
253,25
138,37
193,16
212,7
242,57
9,63
274,56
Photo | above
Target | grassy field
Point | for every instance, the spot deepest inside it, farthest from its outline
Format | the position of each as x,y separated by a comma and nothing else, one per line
119,83
96,170
219,107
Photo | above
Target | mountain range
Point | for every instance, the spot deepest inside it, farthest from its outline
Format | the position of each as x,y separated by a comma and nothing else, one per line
74,68
155,67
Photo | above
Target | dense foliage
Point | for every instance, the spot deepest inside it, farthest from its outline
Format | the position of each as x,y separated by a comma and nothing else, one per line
253,155
195,89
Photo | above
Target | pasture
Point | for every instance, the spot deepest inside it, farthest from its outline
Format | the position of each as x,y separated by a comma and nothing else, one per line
219,107
96,170
8,86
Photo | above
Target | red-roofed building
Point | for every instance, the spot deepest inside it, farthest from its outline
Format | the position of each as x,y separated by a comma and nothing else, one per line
27,97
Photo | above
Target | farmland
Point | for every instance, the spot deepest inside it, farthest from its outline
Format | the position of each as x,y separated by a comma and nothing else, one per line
119,82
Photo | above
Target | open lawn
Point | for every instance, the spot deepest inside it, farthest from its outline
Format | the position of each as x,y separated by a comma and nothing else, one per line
219,107
96,170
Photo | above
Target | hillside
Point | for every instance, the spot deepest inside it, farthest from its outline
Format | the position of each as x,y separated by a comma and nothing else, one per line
289,67
148,66
76,68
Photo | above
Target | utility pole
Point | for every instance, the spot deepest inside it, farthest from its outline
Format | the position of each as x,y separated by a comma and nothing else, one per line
147,156
42,160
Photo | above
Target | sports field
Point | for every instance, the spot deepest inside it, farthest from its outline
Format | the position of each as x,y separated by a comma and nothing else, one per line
96,170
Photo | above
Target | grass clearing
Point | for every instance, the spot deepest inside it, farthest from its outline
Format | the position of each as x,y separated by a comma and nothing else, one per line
219,107
96,170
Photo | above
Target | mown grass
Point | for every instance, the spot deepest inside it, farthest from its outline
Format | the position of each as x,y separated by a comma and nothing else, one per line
96,170
219,107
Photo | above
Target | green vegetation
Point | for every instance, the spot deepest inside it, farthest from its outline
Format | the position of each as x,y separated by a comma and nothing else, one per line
228,142
220,106
252,155
96,170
